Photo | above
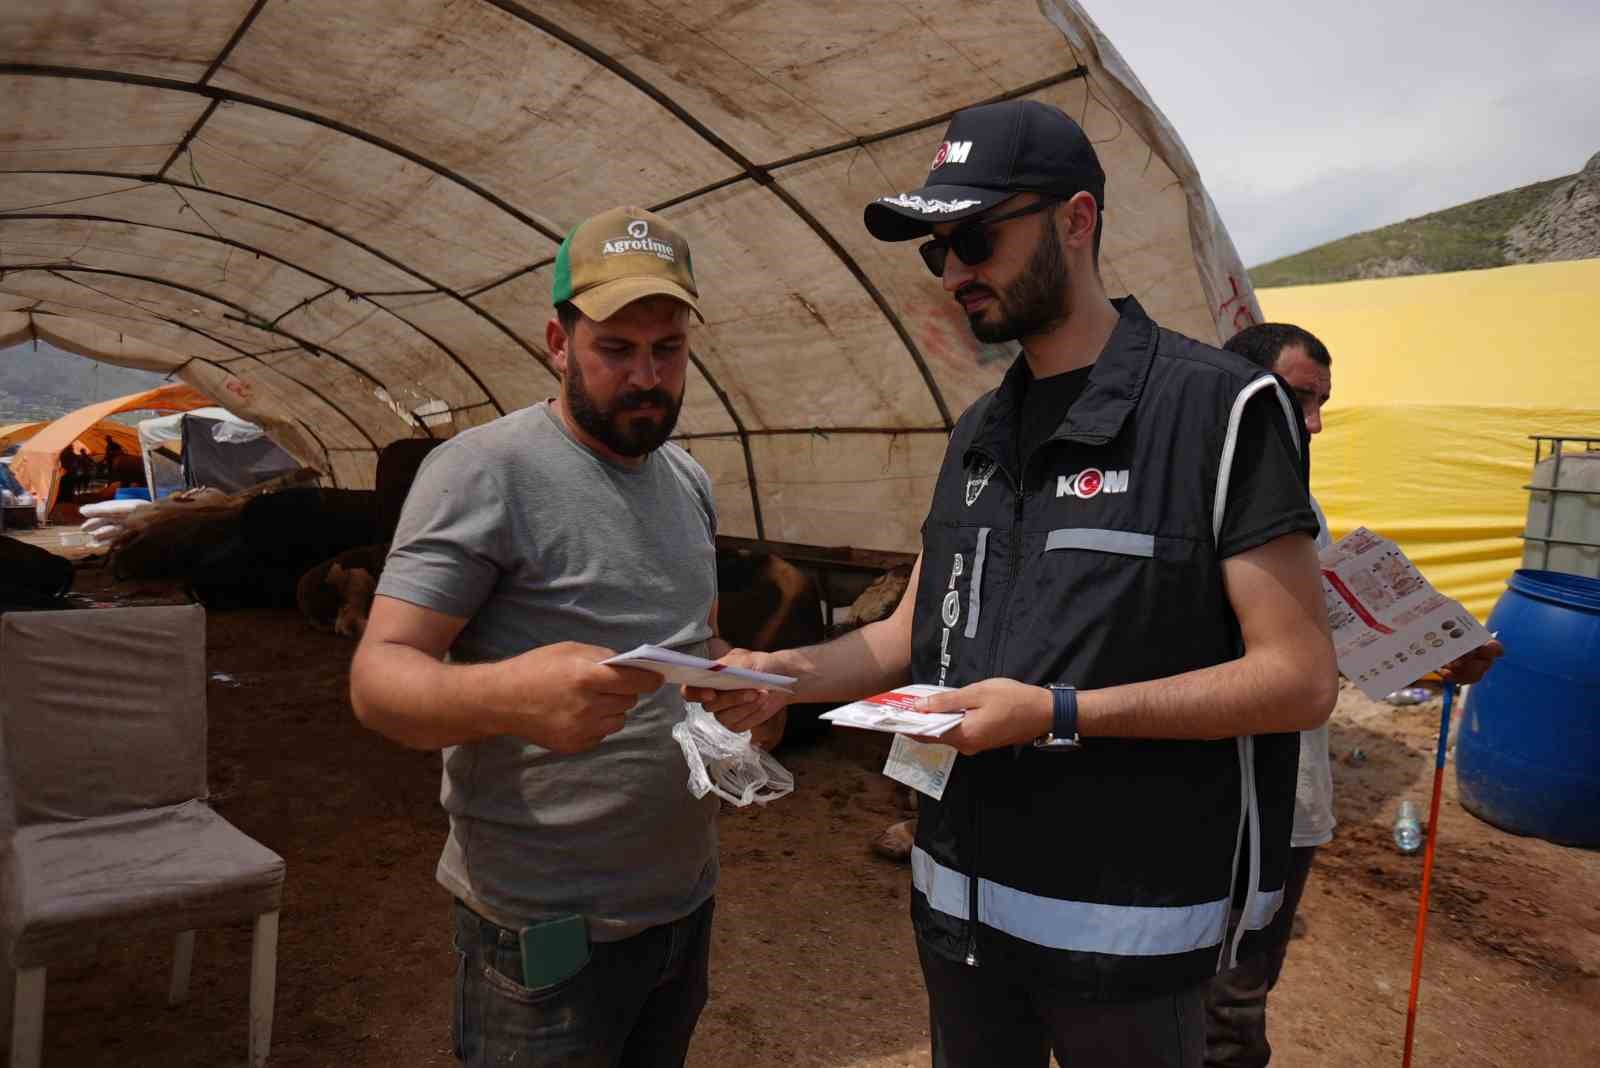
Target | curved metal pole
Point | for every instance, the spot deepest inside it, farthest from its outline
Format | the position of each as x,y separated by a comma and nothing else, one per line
264,254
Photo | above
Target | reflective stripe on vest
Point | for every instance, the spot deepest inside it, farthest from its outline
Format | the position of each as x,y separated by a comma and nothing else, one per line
1084,926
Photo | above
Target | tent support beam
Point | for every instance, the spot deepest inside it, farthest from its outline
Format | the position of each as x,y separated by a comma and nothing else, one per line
872,139
264,254
44,70
219,365
750,168
233,42
539,357
245,316
744,440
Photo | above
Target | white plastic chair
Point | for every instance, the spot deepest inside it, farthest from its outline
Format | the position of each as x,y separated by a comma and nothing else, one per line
104,830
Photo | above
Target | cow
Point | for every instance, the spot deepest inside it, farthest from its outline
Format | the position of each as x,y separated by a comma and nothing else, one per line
766,603
336,595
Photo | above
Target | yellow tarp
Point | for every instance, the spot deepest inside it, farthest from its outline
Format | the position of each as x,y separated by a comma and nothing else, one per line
1438,381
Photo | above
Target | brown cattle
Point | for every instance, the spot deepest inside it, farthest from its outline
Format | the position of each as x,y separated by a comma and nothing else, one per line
336,595
766,603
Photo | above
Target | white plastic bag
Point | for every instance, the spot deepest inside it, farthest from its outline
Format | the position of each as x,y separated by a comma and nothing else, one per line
726,763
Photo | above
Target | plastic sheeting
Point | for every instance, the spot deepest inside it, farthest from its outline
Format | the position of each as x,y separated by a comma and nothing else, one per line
1438,381
338,219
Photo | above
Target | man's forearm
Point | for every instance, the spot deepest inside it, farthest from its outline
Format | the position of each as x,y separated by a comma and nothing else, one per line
1262,694
413,699
869,660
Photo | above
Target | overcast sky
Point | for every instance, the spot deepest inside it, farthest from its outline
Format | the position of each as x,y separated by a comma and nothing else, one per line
1310,121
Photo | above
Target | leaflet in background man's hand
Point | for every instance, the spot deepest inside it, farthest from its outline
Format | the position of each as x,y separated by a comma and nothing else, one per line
687,670
1390,626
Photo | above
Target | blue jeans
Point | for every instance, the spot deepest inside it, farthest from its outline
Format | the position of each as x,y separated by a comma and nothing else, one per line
634,1005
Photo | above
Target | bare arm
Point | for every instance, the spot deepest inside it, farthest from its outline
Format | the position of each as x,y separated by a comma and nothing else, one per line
557,696
1285,681
868,660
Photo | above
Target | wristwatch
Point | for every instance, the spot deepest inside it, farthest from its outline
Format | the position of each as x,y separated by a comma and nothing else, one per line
1063,734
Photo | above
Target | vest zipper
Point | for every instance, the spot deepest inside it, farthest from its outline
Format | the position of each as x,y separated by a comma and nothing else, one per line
994,649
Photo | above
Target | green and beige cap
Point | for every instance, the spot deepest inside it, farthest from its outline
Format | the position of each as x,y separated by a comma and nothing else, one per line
620,256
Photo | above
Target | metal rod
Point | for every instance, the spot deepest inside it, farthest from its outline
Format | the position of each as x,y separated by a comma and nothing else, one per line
1427,871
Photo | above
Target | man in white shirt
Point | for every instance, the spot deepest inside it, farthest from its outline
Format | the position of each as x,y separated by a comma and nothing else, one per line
1236,1001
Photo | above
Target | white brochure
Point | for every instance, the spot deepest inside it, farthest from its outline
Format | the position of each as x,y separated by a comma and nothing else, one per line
923,766
687,670
894,712
1390,626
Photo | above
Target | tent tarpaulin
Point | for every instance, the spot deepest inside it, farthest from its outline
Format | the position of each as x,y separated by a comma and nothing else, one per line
217,455
163,475
92,439
36,463
1438,381
339,219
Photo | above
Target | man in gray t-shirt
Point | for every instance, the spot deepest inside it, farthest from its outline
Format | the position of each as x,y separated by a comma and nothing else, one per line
529,550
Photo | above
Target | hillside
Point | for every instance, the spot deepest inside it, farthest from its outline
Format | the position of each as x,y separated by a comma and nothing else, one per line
47,382
1554,220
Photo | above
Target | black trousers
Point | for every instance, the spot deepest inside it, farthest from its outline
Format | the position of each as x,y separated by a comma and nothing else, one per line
997,1016
1236,1001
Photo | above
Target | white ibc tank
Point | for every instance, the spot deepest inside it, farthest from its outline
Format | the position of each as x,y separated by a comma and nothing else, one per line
1563,531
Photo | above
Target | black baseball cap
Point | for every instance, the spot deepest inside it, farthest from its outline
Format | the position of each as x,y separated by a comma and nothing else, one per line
990,153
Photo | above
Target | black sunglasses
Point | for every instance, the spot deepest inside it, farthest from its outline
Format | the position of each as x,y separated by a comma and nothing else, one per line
970,240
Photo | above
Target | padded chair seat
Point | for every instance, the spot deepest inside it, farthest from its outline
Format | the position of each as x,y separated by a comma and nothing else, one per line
153,871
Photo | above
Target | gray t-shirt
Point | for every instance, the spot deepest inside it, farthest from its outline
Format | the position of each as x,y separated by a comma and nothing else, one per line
1313,796
531,537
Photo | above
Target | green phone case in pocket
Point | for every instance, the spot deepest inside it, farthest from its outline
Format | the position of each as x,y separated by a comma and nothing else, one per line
554,951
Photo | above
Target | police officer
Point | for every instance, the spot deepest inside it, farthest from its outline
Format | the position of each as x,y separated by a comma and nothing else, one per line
1118,578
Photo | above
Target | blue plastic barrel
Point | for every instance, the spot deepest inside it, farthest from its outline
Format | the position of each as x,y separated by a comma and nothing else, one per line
1528,758
133,493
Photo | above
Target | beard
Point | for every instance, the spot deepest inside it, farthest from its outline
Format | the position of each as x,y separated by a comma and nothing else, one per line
1034,303
625,434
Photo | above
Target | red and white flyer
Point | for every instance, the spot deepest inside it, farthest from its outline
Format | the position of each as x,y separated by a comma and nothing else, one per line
1390,626
894,712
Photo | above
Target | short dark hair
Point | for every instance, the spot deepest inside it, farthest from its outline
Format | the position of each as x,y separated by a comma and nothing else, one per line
567,314
1263,343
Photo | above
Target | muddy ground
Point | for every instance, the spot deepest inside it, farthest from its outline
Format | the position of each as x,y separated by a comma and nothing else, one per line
814,963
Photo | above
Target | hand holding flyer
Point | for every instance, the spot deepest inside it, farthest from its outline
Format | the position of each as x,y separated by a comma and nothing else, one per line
687,670
1390,626
896,713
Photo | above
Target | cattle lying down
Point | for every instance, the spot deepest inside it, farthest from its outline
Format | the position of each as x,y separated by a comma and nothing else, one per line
30,575
336,595
356,586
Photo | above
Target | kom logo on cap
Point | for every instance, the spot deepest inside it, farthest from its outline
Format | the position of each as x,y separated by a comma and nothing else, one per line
1091,482
951,152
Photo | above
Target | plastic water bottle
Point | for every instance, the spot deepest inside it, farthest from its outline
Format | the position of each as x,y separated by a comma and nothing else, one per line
1408,828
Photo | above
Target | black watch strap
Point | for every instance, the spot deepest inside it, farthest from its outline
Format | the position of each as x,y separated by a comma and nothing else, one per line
1063,719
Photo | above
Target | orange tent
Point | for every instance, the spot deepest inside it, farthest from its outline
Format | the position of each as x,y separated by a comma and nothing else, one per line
93,439
36,463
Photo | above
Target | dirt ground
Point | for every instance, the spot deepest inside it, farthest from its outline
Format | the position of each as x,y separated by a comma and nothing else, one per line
813,961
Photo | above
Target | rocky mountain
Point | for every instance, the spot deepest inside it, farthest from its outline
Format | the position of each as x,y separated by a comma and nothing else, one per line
1554,220
44,382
